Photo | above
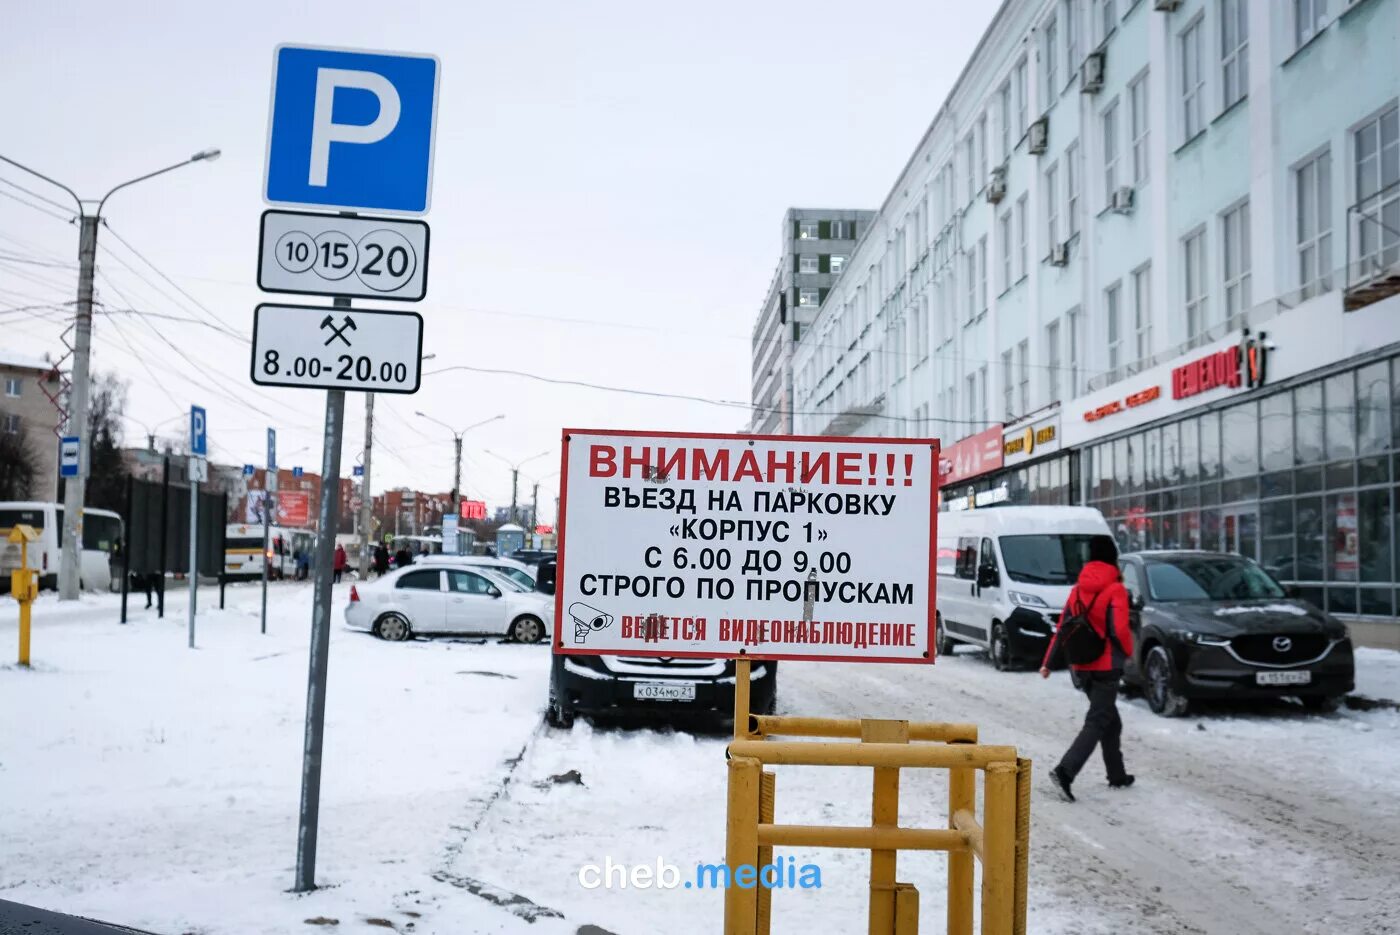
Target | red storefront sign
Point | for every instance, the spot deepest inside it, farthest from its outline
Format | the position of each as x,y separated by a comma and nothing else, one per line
544,530
1140,398
294,509
473,509
1233,367
971,456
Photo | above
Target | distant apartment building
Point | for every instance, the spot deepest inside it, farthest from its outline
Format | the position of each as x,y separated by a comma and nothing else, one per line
28,387
1146,257
816,246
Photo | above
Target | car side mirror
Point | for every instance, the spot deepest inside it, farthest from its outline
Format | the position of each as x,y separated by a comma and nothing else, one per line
987,577
1136,601
493,591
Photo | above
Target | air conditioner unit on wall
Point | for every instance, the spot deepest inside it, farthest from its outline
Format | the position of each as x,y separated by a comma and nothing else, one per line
1122,201
1038,137
1091,73
1059,254
996,185
1165,6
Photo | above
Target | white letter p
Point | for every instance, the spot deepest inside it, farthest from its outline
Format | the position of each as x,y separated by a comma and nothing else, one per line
324,131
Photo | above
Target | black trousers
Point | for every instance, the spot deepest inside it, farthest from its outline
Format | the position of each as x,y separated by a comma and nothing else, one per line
1102,727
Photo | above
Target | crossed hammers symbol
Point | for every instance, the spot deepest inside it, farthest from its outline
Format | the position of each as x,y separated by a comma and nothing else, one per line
348,325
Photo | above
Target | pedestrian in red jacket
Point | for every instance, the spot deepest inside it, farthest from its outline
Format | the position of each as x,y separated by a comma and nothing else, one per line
1100,592
342,561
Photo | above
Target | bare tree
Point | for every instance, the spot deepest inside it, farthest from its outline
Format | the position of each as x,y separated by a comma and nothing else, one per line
19,466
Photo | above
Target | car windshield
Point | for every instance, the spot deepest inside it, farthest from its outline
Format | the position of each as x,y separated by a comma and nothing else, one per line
525,582
1209,578
1045,559
504,580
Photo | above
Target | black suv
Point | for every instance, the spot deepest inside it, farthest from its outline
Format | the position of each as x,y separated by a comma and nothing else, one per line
1216,625
530,556
652,685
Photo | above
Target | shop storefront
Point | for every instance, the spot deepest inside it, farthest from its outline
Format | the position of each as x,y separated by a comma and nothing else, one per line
1242,447
1020,464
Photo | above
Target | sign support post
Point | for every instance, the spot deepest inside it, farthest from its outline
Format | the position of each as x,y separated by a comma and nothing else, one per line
194,552
328,522
269,494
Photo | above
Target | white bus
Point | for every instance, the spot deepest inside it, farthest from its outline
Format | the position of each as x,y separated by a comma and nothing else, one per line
102,531
243,550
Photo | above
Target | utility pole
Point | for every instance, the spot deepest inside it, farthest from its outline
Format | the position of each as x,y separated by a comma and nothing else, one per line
75,491
514,483
457,479
366,501
534,508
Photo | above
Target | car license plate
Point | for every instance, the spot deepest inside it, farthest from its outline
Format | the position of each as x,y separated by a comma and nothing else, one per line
664,691
1282,678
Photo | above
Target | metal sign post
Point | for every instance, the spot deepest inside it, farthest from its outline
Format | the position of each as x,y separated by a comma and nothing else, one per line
383,165
199,447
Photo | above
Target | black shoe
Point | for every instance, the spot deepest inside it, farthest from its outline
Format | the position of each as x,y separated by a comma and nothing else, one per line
1062,783
1127,780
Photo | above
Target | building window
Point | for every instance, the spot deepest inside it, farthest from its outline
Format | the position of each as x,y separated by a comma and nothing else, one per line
808,263
1138,104
838,263
1234,51
1142,311
1193,81
1105,14
1004,118
970,167
1008,387
1193,250
10,422
1049,71
843,230
1005,276
1110,151
1021,236
1052,206
1309,19
1376,151
971,283
12,386
809,298
1234,250
971,399
808,230
1074,324
1023,367
1072,187
1312,183
1021,91
984,409
1112,309
1071,36
1052,362
982,172
982,275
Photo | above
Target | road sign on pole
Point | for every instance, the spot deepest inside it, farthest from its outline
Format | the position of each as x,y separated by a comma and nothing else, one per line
768,547
297,471
370,351
69,452
272,450
199,436
358,470
249,470
352,130
332,254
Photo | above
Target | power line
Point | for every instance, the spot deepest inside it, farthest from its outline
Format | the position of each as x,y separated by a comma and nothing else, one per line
30,204
33,194
175,285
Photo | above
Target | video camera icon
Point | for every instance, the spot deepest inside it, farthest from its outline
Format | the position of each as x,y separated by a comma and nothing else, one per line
587,620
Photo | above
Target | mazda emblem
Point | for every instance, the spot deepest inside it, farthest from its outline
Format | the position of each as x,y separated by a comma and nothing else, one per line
1282,644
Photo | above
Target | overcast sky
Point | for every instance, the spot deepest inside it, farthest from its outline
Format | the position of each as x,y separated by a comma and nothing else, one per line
609,187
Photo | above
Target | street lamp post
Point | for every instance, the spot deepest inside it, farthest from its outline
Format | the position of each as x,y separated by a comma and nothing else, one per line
515,477
457,454
76,489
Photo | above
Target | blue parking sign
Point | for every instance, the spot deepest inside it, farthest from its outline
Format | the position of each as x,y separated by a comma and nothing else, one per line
199,431
352,130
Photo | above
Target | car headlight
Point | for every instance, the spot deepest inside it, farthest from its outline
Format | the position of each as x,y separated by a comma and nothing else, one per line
1026,600
1203,639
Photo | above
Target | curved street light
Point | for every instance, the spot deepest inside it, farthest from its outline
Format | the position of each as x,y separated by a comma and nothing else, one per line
515,475
76,489
457,444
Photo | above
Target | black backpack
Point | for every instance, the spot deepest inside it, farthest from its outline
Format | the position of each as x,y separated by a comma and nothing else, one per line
1080,643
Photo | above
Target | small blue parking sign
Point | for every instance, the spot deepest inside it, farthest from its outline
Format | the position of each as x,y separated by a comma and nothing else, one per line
352,130
249,470
199,432
297,471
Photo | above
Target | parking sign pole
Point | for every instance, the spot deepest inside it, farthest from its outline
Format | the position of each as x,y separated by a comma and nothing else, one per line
194,551
328,523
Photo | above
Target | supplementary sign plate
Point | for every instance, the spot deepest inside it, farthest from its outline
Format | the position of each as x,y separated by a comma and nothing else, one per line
337,348
328,254
772,547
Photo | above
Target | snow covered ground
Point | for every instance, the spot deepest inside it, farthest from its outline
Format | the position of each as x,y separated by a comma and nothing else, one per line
157,786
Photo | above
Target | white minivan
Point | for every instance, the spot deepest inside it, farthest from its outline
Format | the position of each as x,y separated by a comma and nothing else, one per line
1004,575
102,530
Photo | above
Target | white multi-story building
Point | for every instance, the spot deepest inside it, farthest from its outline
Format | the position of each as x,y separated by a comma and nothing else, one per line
1147,257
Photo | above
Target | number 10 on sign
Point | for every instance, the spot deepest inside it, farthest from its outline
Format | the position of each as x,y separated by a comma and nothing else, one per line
327,254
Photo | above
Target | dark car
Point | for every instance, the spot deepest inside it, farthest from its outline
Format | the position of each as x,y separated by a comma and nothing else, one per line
531,556
1212,625
545,575
642,685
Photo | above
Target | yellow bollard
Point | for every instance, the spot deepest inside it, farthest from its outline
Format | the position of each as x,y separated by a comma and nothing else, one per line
767,791
24,585
999,850
906,909
741,845
1023,841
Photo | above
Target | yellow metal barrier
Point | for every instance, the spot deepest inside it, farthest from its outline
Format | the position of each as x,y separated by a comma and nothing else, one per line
24,584
1000,840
